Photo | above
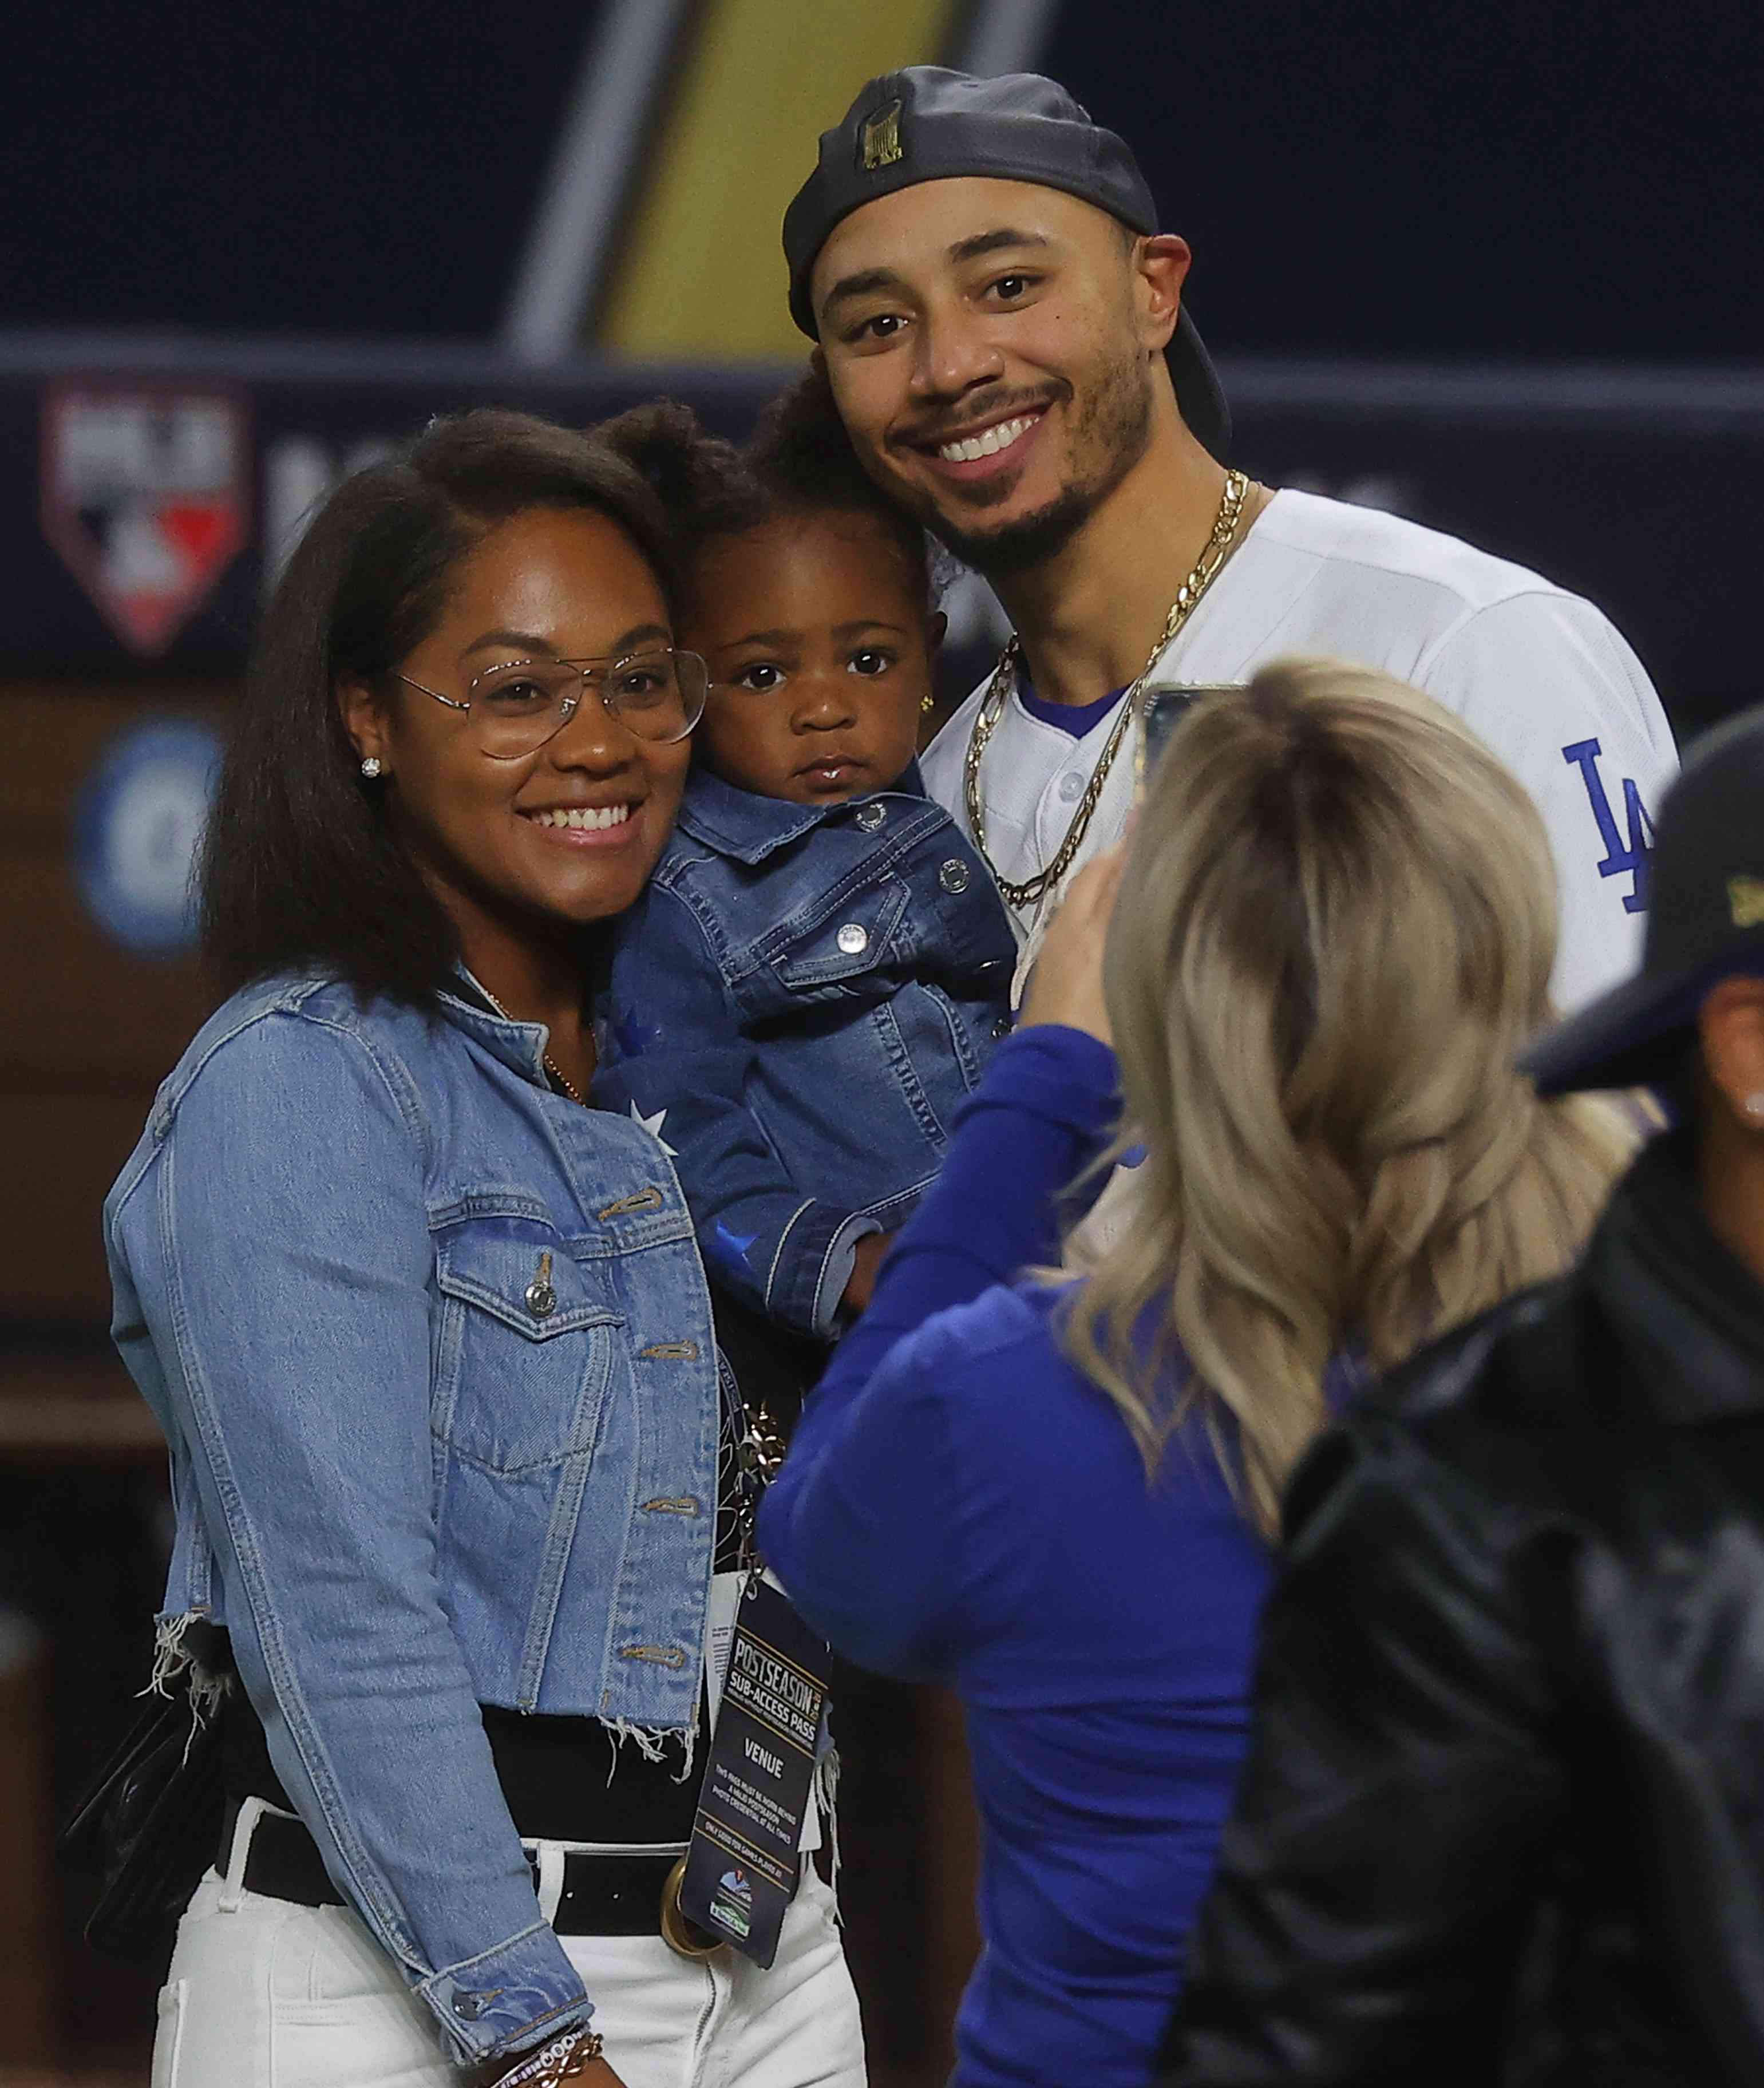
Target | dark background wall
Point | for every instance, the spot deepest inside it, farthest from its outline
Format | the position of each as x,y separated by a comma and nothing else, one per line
1510,179
1504,178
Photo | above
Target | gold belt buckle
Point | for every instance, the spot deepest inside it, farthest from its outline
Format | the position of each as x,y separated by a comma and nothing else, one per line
683,1937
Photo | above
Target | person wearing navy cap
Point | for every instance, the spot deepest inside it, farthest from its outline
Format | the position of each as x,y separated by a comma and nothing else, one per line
1007,336
1504,1817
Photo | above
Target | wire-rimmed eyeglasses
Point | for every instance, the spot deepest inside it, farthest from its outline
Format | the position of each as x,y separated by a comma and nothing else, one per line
514,706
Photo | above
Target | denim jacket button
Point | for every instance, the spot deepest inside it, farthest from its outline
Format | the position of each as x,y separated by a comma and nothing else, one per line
1001,1029
852,938
953,876
870,817
541,1298
468,2005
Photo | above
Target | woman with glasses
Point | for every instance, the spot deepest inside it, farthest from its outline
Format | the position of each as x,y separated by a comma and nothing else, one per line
429,1338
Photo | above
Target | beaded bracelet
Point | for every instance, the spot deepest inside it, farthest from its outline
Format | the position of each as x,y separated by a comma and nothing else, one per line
560,2061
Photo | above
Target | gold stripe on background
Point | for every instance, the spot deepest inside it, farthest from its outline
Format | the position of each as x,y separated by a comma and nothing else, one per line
700,275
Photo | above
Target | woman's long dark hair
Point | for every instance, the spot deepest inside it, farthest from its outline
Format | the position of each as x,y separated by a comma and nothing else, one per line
301,870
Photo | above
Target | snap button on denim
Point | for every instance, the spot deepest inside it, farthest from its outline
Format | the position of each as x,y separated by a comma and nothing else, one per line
853,938
1002,1026
870,817
468,2005
953,876
541,1298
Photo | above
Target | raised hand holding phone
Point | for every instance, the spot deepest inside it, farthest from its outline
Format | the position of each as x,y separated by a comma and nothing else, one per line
1162,707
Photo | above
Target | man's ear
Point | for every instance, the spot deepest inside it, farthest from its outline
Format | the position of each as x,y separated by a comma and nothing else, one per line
1730,1027
936,630
1160,265
365,721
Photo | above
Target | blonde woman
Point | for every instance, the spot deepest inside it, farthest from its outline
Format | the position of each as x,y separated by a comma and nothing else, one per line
1331,932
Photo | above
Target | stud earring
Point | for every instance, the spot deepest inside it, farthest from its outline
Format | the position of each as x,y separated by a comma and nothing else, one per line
371,766
927,703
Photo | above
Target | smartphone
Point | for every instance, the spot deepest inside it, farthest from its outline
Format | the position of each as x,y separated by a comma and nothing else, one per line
1162,709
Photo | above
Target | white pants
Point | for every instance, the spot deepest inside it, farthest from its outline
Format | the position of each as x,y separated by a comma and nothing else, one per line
265,1994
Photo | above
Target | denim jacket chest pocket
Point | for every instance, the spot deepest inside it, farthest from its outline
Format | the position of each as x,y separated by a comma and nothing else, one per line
852,950
527,1347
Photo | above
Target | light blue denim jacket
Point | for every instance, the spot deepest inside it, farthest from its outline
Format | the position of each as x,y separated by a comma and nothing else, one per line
432,1349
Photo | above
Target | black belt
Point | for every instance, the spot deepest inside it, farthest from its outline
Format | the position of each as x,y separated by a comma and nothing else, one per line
603,1895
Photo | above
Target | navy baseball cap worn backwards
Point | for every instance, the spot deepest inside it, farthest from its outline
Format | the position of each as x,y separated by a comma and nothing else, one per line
1704,923
926,123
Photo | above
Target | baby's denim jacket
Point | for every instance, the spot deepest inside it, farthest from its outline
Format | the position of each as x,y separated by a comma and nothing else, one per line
796,1007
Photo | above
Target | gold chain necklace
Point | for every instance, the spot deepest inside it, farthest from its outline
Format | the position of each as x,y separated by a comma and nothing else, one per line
545,1058
1218,547
562,1079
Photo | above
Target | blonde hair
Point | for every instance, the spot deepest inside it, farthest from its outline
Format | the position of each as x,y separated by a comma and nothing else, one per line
1336,925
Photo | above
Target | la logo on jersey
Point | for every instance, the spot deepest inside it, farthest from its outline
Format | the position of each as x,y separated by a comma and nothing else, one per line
1626,848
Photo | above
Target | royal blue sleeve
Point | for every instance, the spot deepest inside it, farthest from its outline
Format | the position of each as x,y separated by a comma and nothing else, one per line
678,1062
863,1522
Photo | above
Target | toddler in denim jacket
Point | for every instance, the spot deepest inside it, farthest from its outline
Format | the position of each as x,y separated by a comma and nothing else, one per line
820,969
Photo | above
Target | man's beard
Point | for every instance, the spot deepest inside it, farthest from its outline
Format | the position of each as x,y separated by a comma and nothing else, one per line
1016,547
1115,425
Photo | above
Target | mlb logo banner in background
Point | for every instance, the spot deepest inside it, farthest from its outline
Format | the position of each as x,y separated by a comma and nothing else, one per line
146,494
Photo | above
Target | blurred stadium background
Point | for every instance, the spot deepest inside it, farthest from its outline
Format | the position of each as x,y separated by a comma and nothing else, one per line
1493,267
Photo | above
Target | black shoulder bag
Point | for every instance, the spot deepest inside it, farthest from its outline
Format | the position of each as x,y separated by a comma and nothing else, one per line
150,1824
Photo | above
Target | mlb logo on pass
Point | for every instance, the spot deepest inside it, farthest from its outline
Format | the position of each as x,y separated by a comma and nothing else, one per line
146,495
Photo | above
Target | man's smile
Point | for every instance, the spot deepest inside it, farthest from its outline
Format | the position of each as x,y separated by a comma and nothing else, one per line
969,449
981,449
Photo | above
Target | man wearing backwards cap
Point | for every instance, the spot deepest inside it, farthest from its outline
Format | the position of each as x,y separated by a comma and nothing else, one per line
1003,328
1504,1816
